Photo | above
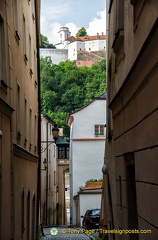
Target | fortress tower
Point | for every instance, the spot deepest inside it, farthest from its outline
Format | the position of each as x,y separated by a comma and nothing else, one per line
64,33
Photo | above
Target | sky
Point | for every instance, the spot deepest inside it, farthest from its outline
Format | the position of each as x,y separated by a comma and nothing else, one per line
73,14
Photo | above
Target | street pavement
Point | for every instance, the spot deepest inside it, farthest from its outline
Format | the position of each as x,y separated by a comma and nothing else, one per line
67,233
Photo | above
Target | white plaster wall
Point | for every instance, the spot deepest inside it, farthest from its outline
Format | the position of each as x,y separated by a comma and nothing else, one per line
86,153
88,201
71,176
89,46
95,45
86,119
72,51
57,55
63,45
80,45
88,158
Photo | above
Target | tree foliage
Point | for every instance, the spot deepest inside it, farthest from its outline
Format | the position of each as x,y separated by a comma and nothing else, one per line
81,32
66,88
45,43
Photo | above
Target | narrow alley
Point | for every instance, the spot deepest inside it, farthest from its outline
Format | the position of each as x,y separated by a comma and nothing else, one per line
78,120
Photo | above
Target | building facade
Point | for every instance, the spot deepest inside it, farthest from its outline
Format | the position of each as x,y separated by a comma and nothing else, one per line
132,114
70,48
87,140
87,44
19,159
48,173
53,175
63,181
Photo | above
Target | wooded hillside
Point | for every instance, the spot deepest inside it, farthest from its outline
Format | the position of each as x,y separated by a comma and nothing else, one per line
66,88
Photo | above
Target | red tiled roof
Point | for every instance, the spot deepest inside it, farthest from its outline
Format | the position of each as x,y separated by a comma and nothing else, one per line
86,38
72,38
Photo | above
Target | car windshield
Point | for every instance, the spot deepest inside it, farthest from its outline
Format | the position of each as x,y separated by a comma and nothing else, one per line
95,212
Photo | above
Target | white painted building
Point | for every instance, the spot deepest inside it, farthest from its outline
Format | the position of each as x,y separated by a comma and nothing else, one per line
87,140
68,46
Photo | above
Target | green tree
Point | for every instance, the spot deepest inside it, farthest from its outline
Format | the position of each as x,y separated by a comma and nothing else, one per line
45,43
81,32
66,88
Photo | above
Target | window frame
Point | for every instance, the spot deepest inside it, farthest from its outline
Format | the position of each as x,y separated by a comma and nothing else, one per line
65,150
99,132
3,76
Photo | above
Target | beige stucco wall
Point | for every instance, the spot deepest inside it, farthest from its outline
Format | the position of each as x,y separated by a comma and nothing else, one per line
132,119
18,145
49,174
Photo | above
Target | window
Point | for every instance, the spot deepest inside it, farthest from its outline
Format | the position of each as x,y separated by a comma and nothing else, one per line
138,9
18,119
30,128
54,150
16,24
35,133
109,4
119,15
30,55
49,182
33,9
50,129
119,28
2,55
99,130
25,43
63,152
35,68
54,178
25,122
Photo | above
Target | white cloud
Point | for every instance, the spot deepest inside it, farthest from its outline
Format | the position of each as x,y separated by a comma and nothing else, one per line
98,24
50,30
55,10
50,18
72,28
51,13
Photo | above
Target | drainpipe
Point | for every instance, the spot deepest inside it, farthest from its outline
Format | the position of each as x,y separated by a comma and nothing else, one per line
37,6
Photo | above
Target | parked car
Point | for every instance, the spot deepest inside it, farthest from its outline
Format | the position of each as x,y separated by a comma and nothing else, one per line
91,219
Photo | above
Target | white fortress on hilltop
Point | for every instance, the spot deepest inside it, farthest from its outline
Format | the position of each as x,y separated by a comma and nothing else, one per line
64,33
85,50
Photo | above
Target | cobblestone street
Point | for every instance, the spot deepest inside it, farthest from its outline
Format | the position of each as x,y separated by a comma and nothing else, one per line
66,233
